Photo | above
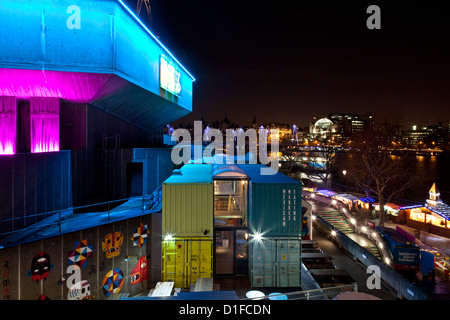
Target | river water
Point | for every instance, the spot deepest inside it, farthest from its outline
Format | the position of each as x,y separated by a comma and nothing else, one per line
427,170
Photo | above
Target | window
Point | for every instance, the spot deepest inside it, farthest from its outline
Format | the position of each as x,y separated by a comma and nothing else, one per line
44,116
8,115
230,203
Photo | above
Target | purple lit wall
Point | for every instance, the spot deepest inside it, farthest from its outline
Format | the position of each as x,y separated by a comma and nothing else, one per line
70,86
8,115
44,116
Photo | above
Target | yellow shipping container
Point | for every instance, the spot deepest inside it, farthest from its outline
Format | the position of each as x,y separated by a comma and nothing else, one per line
188,202
184,260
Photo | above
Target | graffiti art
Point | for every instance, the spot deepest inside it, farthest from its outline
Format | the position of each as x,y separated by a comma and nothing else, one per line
140,272
80,254
80,291
112,244
113,281
40,266
140,235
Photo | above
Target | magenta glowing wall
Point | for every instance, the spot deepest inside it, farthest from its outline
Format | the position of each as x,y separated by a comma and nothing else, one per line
71,86
44,118
8,115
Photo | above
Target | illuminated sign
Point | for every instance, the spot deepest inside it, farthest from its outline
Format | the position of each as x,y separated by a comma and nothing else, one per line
169,76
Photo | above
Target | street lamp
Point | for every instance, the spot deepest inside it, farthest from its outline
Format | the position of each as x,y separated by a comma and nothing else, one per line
344,172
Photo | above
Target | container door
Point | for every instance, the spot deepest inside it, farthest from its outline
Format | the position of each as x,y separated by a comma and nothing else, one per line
224,260
186,260
263,263
174,261
241,253
288,262
231,252
199,260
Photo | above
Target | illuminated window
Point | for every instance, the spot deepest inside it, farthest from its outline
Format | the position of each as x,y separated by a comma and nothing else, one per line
417,215
169,77
8,115
44,116
230,202
436,220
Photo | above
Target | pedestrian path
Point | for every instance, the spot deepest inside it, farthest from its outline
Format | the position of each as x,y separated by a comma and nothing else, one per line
373,249
338,221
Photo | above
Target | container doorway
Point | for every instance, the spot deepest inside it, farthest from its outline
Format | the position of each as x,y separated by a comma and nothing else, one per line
230,251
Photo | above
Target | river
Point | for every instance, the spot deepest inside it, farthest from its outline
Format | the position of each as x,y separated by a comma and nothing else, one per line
427,170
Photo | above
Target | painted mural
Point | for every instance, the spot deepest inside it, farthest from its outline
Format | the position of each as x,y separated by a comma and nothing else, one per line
80,291
40,266
113,282
79,272
80,254
112,244
6,281
140,271
140,235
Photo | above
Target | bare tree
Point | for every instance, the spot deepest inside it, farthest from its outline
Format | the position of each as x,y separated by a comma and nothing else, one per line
378,171
147,6
322,164
289,156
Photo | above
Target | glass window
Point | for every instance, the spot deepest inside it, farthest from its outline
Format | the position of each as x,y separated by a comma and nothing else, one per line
230,203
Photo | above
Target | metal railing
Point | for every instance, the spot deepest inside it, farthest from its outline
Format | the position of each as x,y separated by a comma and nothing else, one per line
327,293
149,203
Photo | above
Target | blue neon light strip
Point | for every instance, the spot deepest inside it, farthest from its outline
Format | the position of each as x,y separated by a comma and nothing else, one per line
411,207
443,215
154,37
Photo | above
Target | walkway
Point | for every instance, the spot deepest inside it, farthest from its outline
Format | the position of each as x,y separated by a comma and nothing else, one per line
356,270
337,220
438,290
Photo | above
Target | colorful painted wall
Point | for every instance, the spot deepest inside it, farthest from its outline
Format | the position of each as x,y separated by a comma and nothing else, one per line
95,263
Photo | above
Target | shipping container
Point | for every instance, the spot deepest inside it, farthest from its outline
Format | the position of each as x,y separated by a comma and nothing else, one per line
188,202
184,260
275,203
275,262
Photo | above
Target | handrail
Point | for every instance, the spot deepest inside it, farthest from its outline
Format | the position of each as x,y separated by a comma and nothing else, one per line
308,294
145,205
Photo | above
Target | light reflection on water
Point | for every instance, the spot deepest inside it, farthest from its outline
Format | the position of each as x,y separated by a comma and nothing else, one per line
427,170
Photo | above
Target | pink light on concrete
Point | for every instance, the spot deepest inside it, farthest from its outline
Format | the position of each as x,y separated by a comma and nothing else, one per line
8,114
80,87
44,116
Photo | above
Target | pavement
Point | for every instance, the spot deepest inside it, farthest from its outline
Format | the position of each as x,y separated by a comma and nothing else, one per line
355,269
438,290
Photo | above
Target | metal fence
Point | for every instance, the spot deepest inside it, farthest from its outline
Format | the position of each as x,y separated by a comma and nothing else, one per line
328,293
111,209
401,285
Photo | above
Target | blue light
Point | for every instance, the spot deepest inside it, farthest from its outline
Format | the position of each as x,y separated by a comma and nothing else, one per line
154,37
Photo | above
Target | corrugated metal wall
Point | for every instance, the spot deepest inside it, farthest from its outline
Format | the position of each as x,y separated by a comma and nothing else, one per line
275,209
275,262
184,260
33,184
188,209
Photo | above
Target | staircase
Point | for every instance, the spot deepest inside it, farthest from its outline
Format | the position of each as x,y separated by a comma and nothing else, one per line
336,219
374,250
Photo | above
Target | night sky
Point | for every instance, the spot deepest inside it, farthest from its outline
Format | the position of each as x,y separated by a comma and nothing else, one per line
290,61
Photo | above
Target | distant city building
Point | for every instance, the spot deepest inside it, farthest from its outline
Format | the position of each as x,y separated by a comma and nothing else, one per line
340,127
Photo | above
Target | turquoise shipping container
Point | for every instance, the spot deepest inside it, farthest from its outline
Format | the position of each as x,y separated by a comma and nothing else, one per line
274,203
275,262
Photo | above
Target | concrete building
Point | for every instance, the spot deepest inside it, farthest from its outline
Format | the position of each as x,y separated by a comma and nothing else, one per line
85,91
